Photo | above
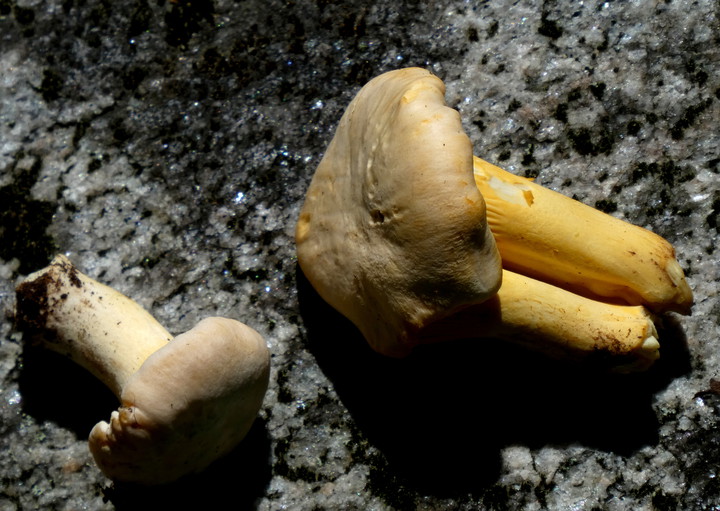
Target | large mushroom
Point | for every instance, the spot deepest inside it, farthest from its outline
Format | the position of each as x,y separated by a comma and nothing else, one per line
393,232
396,235
185,402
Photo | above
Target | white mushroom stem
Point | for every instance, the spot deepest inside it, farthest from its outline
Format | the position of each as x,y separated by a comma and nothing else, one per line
557,322
99,328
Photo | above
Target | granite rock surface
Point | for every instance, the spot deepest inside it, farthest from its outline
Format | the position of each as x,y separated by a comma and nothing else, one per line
166,147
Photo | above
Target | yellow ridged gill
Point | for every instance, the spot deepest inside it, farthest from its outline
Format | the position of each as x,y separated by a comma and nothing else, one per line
557,322
551,237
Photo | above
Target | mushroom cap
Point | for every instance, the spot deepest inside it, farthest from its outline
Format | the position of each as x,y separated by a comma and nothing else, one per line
393,232
190,403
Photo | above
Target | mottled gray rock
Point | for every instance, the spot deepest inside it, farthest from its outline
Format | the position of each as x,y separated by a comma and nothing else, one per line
165,147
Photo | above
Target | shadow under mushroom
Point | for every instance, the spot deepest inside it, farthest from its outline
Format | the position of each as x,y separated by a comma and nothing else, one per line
454,405
235,481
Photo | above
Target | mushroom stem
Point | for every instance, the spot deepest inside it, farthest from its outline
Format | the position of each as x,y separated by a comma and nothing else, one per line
557,322
99,328
551,237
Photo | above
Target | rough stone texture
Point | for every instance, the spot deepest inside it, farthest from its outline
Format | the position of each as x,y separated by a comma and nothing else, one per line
165,147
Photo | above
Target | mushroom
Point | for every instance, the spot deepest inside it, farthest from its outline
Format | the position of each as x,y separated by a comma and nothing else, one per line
185,402
395,235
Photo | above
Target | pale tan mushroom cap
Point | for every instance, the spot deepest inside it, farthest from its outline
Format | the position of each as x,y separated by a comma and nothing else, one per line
189,404
393,231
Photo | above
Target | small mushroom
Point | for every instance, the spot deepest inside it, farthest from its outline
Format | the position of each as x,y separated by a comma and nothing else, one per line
185,402
391,223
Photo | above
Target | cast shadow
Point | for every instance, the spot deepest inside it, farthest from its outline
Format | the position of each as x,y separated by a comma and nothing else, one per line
451,406
236,481
56,389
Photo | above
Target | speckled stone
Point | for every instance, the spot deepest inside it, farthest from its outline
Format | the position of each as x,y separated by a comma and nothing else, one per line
166,147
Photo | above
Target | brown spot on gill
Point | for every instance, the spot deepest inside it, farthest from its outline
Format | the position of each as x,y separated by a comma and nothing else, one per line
529,198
